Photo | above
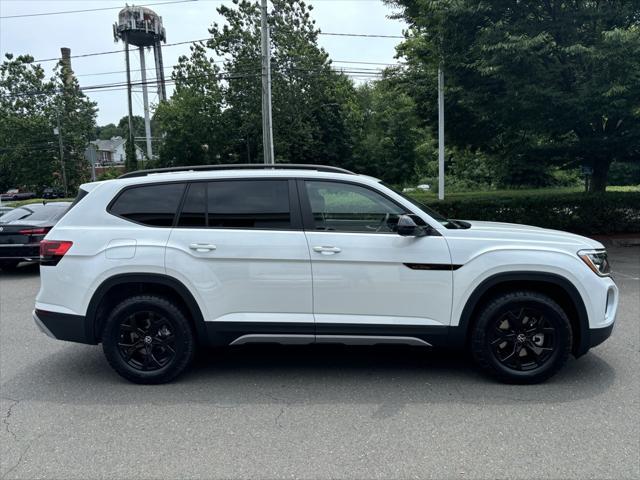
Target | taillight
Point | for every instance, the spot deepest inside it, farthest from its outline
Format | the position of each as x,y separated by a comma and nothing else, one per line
34,231
52,251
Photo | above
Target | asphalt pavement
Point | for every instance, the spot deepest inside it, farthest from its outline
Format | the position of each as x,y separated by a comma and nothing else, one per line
316,411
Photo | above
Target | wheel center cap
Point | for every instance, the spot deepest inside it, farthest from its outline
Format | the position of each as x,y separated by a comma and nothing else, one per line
521,338
148,340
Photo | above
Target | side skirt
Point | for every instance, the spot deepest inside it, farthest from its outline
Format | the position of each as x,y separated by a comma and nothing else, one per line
240,333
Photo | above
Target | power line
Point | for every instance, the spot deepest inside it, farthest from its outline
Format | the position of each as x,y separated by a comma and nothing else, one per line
169,67
109,52
63,12
120,86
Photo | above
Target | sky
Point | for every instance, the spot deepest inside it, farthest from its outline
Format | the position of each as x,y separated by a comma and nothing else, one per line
42,37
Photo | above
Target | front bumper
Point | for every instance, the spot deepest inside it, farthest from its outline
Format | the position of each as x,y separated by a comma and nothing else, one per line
599,335
64,326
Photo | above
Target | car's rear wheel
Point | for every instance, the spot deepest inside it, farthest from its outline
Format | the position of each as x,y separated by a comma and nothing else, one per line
148,339
522,337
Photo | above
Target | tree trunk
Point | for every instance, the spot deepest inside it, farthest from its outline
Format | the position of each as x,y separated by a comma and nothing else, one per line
600,176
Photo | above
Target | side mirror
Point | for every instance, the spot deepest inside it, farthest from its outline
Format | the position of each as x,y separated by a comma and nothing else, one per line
407,227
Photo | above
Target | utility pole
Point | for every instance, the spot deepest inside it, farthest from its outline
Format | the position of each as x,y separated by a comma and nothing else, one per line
267,130
58,131
440,133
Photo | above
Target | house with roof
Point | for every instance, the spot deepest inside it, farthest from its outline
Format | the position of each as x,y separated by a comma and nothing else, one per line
113,151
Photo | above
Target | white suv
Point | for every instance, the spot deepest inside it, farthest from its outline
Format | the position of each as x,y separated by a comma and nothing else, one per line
157,262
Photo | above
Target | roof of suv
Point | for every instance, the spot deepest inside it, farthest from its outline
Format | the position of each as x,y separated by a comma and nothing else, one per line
232,171
239,166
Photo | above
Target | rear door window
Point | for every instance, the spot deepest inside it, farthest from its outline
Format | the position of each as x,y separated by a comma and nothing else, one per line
153,205
194,213
245,204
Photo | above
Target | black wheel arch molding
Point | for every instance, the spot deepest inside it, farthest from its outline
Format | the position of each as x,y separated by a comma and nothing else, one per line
93,315
459,335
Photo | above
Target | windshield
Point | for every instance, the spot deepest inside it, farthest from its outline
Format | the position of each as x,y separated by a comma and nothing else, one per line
447,223
35,213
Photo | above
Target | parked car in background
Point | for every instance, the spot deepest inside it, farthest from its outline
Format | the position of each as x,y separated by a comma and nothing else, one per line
22,229
51,192
17,194
4,210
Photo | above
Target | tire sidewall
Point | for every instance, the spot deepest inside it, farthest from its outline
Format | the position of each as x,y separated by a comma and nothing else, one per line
184,344
552,313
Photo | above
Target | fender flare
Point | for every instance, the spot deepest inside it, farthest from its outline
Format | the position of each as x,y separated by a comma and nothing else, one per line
148,278
460,333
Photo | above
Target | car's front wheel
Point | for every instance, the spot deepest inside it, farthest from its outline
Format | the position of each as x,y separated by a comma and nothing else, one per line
522,337
147,339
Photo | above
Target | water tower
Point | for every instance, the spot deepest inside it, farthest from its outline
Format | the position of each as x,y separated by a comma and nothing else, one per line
142,27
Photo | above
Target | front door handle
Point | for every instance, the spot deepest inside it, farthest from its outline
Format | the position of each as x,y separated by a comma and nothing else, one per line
202,247
324,250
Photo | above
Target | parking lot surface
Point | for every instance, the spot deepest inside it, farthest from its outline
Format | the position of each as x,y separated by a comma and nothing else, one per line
315,412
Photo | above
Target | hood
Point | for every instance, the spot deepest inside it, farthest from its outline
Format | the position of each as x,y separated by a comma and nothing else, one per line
506,232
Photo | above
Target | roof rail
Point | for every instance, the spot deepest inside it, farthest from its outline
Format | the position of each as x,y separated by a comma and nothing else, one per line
237,166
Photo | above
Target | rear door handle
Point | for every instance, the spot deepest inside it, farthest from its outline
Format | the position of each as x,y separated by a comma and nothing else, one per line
324,250
202,247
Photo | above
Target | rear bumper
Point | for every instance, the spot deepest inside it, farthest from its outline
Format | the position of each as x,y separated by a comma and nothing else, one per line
64,326
28,252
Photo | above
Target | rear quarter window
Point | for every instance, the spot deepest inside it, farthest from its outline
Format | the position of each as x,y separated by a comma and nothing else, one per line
152,205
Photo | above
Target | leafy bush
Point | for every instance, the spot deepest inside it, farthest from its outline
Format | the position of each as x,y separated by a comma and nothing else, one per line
589,214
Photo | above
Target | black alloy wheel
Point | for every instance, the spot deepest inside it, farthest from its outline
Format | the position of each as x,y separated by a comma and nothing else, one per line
521,337
148,339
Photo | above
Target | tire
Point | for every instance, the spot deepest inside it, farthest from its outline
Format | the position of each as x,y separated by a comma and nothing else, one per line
148,340
9,265
521,337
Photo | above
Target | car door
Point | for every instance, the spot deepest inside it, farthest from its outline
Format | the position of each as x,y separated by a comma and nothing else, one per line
239,243
367,279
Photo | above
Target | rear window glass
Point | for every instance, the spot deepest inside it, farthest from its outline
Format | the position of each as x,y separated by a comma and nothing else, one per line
154,205
35,213
81,194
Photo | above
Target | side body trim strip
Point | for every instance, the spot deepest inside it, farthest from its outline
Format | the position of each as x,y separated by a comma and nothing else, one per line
432,266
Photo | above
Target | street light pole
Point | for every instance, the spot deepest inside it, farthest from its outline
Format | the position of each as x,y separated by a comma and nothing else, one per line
267,130
440,133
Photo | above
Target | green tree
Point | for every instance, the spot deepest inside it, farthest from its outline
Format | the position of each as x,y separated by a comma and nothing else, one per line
76,115
130,159
108,131
531,82
221,107
390,134
28,147
191,120
137,123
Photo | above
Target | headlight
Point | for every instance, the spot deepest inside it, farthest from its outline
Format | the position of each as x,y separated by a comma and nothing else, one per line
597,261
